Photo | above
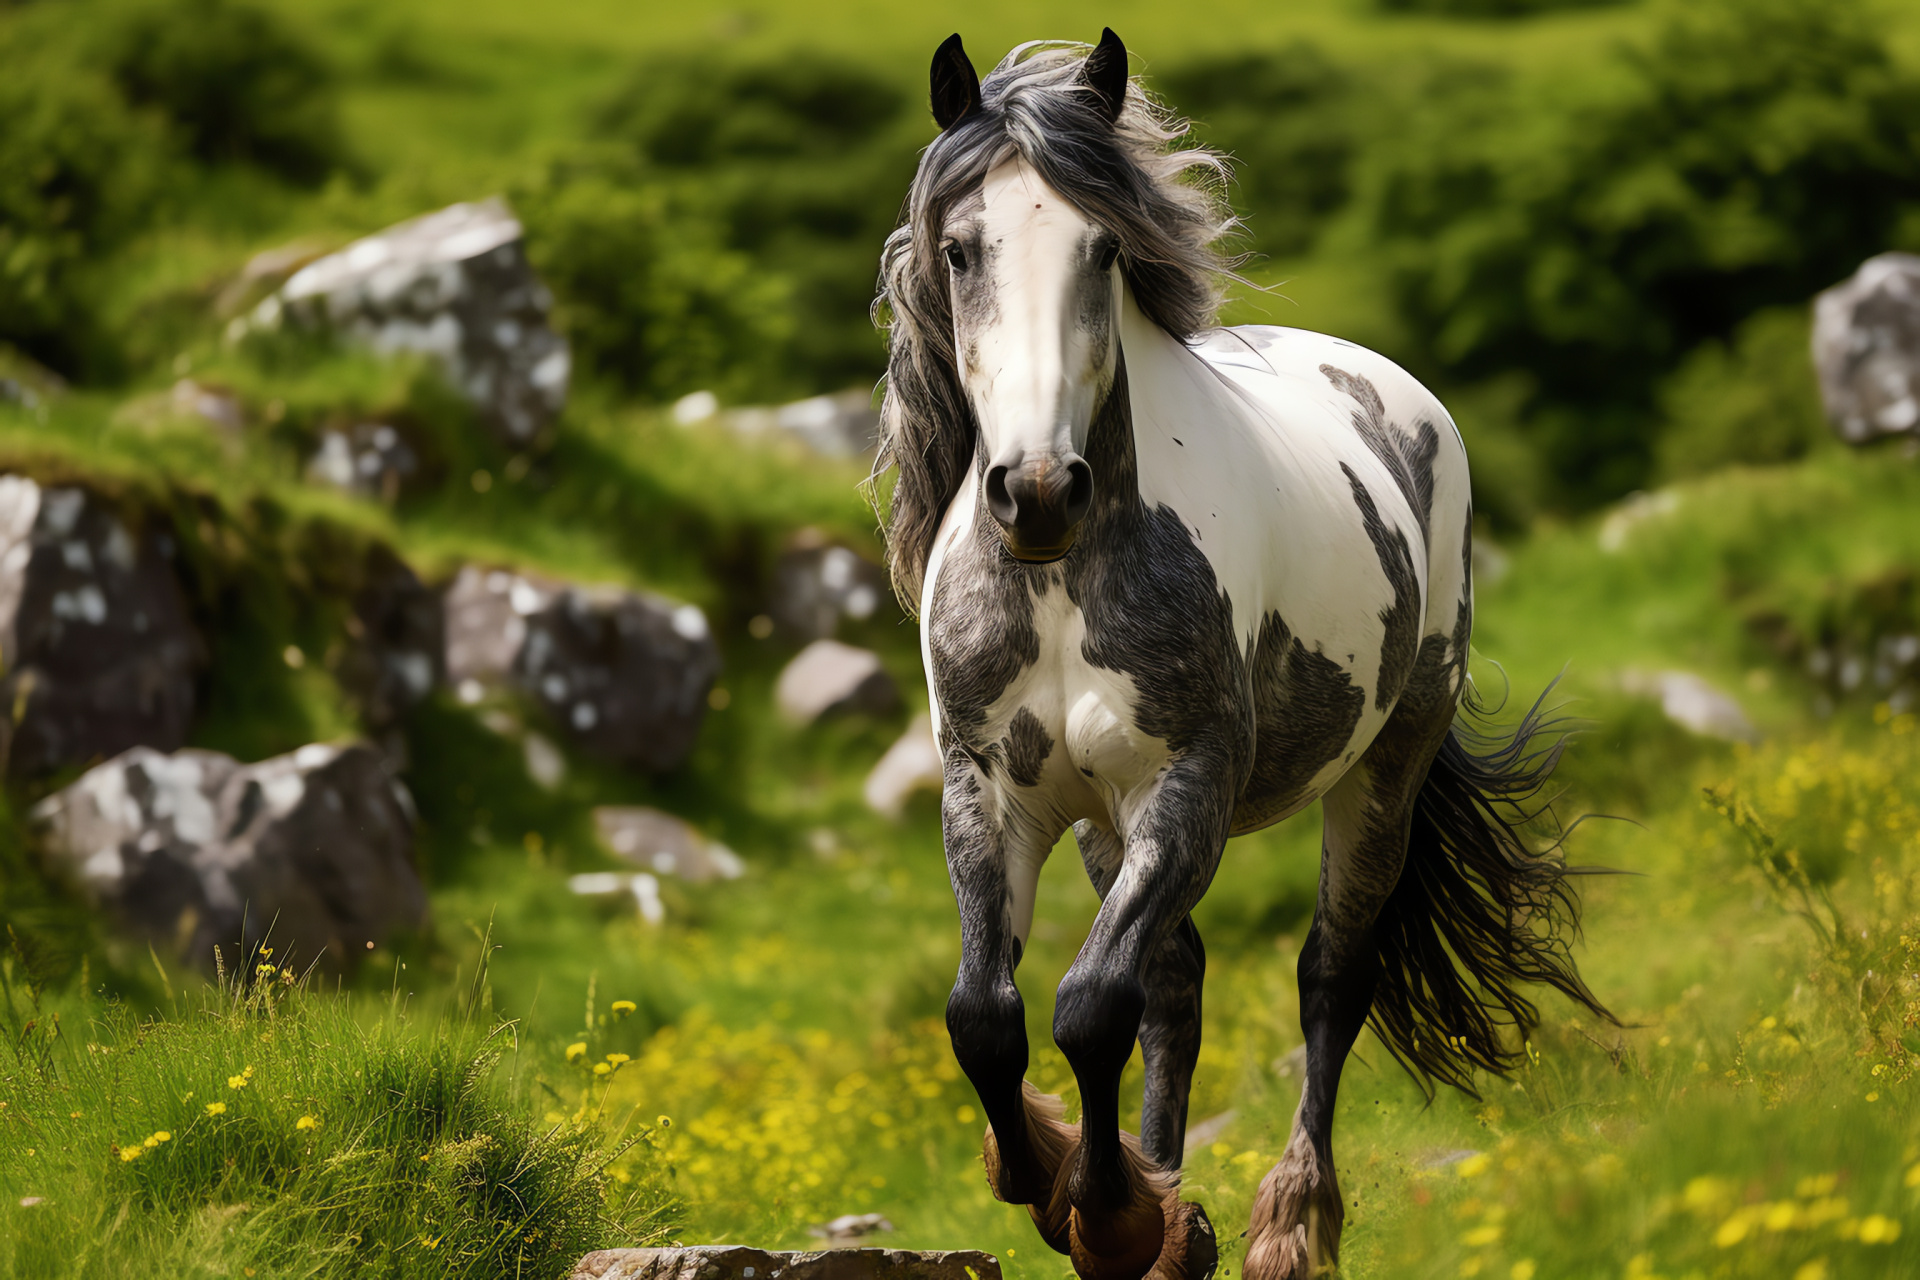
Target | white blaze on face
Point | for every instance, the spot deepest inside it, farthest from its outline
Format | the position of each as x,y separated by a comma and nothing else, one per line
1033,316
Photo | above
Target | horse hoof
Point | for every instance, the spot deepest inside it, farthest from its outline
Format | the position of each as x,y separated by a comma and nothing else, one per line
1191,1251
1123,1245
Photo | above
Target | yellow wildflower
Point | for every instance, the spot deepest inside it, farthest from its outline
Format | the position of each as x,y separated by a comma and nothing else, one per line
1877,1229
216,1108
617,1058
621,1008
576,1051
155,1139
601,1068
129,1154
1522,1270
306,1122
1474,1165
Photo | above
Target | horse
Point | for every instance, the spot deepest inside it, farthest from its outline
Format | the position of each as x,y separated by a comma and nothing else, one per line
1176,582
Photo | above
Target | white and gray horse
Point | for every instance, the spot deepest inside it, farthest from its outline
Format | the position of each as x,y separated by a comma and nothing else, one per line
1177,582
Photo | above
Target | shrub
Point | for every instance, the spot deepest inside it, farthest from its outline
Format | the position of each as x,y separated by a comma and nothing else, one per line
235,82
1751,399
1286,118
736,209
1751,155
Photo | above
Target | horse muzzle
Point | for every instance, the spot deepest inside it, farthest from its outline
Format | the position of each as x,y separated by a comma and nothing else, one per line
1039,502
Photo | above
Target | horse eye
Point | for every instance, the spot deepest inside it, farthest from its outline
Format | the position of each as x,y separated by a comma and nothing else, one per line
1109,255
956,257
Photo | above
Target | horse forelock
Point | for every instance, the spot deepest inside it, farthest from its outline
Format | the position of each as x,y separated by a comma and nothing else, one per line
1165,202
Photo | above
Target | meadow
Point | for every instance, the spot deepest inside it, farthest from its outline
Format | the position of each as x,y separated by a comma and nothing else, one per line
542,1073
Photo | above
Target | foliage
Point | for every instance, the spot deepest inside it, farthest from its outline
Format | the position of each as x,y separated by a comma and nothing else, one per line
1286,117
234,81
1750,155
726,231
1487,8
1751,399
264,1125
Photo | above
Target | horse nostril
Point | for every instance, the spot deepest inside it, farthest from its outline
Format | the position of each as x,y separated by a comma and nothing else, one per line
999,501
1079,490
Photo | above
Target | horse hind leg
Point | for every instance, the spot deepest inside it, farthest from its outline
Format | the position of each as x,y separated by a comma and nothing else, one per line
1298,1214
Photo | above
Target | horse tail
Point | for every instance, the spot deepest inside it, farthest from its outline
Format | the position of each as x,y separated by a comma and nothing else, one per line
1479,909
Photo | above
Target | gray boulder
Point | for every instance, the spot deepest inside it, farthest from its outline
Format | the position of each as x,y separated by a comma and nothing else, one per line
1866,349
622,673
664,844
371,459
454,286
311,852
817,583
398,629
829,678
95,643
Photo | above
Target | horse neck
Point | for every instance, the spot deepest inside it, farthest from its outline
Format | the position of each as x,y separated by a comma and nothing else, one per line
1111,453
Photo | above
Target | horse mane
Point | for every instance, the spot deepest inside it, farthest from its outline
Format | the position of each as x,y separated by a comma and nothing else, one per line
1166,203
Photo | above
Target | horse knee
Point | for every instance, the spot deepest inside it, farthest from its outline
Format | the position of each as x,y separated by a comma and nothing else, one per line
1096,1017
986,1020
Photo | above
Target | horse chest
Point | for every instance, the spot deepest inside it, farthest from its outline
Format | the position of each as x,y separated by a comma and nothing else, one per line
1052,732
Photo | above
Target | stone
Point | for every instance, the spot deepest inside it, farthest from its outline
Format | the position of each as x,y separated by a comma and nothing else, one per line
664,844
26,382
913,763
213,405
310,852
830,678
369,459
736,1262
1866,349
456,287
1692,703
844,425
622,673
96,645
398,631
817,583
644,886
848,1227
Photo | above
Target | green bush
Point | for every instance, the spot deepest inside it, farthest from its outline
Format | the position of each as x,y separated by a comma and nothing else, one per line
1488,8
728,230
234,81
1752,399
77,170
1752,154
1286,117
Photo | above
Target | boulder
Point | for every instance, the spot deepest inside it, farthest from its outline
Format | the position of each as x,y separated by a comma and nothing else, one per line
830,678
843,425
736,1262
1866,349
664,844
622,673
642,886
454,286
398,630
370,459
849,1227
817,583
95,643
311,852
913,763
1692,703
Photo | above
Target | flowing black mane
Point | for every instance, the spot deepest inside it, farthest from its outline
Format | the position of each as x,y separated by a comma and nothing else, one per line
1165,202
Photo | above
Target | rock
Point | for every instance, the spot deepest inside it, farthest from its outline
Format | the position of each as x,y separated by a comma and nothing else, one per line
848,1227
735,1262
27,382
1205,1133
1866,349
545,765
454,286
398,629
830,678
1633,511
370,459
622,673
643,885
1692,703
913,763
845,425
310,852
95,643
816,583
212,405
663,843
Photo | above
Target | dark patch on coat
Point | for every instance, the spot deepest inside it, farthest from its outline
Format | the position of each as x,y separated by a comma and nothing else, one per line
1026,748
1401,619
1305,709
1409,460
1463,615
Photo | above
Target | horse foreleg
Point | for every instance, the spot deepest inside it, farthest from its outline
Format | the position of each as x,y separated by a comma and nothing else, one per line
1125,1204
1027,1143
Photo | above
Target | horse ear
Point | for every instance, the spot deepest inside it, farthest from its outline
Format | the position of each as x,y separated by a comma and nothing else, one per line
956,89
1105,73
